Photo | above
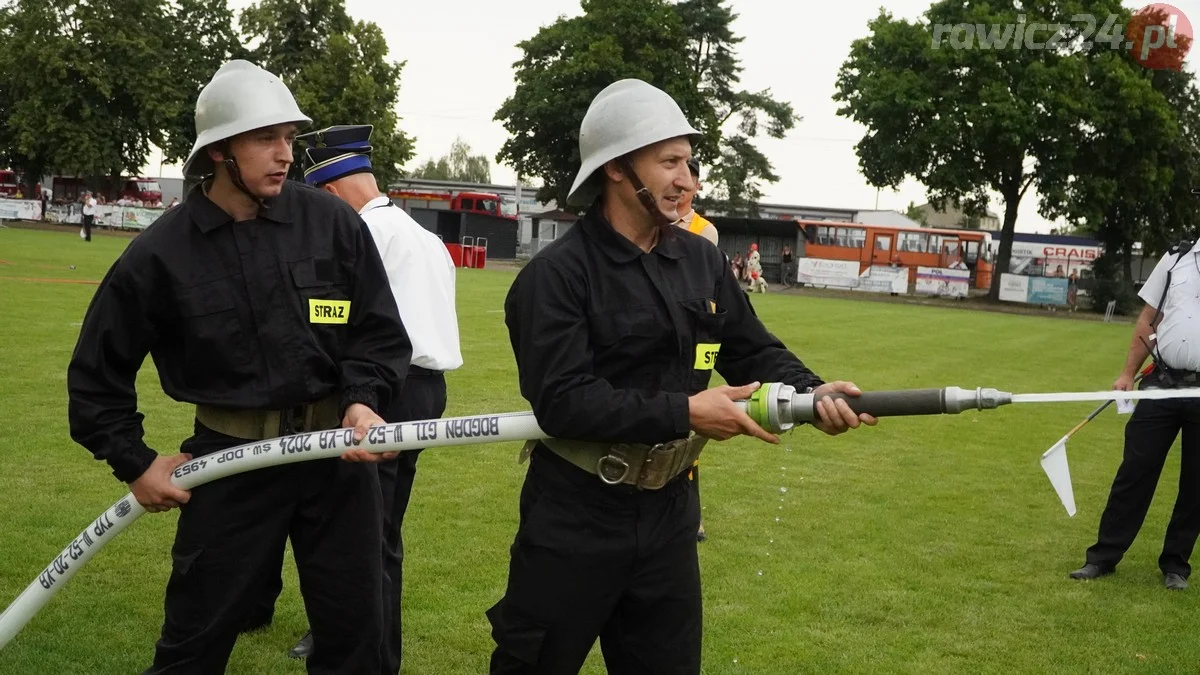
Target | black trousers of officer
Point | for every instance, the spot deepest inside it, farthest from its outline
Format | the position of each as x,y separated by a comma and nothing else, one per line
1149,435
424,397
229,540
87,227
593,560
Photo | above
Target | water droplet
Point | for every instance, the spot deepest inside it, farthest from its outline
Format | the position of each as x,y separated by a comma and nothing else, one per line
783,490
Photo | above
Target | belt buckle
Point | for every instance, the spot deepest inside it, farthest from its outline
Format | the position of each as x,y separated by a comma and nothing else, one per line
659,461
608,465
287,420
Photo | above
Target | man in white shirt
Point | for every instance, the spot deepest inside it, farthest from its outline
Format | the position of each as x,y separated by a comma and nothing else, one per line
1170,325
421,274
89,215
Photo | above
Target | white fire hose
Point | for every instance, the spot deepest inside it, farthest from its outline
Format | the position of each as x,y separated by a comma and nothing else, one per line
272,452
776,407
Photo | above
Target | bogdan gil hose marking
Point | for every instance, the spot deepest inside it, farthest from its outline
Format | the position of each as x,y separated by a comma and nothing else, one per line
774,406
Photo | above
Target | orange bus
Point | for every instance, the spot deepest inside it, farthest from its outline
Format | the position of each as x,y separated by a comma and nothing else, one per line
901,246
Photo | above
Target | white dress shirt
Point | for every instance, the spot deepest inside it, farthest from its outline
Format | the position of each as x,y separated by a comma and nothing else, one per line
1179,328
421,274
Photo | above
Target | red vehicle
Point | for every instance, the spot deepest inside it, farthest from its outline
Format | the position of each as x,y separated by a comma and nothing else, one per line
474,202
144,190
902,246
8,183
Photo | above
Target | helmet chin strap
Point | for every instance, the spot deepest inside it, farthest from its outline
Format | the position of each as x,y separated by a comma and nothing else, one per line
643,195
235,175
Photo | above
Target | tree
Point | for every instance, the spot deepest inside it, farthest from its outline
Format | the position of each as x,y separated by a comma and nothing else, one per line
337,69
738,169
918,214
88,85
204,38
968,118
1131,180
686,49
567,63
1124,182
292,34
458,165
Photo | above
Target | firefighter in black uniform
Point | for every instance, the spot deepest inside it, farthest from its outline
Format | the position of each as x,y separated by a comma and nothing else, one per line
616,328
264,303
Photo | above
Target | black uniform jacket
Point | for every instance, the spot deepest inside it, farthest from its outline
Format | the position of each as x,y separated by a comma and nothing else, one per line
610,341
272,313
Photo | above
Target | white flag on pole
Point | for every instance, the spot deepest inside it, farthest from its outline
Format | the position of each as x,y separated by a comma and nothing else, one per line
1054,463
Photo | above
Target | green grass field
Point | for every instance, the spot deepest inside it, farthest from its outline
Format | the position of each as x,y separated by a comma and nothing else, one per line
924,545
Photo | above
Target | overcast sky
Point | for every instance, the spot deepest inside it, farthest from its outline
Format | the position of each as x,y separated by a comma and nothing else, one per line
460,53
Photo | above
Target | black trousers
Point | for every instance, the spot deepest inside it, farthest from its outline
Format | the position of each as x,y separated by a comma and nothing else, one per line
593,560
1148,437
228,541
87,227
424,397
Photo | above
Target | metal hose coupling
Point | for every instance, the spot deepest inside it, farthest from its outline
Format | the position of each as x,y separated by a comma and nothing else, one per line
778,407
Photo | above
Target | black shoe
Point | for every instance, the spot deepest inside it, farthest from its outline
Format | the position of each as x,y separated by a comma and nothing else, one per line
258,621
1175,582
303,648
1091,571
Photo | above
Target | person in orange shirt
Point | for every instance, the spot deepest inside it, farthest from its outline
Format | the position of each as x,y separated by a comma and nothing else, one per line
694,222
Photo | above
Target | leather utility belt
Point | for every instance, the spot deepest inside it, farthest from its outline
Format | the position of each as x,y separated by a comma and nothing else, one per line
1163,377
256,425
647,467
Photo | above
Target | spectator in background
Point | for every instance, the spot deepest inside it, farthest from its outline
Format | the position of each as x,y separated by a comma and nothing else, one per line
1072,289
89,215
787,272
47,195
754,266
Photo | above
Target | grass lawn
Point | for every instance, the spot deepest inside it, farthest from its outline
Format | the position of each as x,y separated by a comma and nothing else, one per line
925,545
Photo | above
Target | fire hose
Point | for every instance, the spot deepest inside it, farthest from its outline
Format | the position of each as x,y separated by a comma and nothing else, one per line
774,406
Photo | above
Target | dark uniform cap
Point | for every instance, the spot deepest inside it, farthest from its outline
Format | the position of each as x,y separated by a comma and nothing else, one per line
335,152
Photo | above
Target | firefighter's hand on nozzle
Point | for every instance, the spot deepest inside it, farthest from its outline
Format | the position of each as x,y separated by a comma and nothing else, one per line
714,413
835,416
